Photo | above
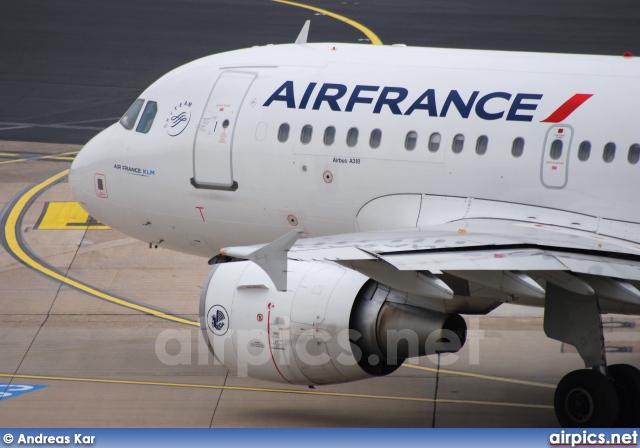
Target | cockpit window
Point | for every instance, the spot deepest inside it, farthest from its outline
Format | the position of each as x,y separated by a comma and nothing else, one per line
146,120
130,117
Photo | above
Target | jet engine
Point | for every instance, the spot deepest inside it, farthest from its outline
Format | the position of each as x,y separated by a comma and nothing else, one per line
332,325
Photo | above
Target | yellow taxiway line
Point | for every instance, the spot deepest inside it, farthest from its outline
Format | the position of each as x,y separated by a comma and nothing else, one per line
483,377
66,156
375,40
4,162
58,158
11,237
281,391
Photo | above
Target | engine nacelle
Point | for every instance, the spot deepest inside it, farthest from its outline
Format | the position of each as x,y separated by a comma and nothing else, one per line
332,325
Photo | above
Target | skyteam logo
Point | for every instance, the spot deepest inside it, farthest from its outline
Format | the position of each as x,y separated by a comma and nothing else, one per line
218,320
178,119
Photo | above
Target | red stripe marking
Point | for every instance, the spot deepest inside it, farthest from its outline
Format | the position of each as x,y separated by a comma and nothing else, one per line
270,350
567,108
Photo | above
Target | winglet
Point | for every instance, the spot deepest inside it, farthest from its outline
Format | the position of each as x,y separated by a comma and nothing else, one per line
272,258
304,33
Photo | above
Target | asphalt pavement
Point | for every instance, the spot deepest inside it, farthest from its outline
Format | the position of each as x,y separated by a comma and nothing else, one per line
70,68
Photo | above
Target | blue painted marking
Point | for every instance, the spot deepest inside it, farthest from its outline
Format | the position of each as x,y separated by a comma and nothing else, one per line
13,390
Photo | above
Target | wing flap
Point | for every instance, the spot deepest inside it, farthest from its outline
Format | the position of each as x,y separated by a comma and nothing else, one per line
484,260
473,234
606,267
521,260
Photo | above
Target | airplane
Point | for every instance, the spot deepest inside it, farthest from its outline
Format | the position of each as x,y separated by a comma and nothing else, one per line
356,200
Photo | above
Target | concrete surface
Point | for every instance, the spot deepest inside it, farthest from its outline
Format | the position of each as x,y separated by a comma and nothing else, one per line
69,69
107,365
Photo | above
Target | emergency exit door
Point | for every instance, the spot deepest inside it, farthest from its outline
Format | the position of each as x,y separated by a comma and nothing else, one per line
213,145
554,171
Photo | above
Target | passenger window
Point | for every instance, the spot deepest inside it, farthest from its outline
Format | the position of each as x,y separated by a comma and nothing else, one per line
634,154
517,148
146,120
375,139
434,142
411,140
352,137
609,152
556,150
482,144
283,132
305,134
458,144
584,151
329,136
130,117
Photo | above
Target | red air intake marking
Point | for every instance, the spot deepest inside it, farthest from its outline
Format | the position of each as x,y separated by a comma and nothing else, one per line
567,108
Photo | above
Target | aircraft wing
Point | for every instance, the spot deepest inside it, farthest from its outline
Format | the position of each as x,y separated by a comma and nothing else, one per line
480,244
505,255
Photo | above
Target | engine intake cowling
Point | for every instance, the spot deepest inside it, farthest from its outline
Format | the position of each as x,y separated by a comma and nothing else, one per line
332,325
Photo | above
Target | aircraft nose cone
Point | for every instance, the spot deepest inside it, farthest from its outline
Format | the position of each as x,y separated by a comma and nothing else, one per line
85,165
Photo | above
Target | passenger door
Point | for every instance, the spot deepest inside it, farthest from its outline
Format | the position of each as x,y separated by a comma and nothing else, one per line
213,145
554,171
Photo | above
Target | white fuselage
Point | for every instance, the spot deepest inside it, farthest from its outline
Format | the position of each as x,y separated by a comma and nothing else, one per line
196,184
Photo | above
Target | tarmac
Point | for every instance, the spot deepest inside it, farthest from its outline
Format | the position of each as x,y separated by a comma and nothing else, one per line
107,324
106,364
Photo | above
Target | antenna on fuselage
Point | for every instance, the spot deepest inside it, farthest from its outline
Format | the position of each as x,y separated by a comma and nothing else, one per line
304,33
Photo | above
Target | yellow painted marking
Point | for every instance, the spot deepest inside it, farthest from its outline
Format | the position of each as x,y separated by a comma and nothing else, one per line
13,161
484,377
12,242
281,391
64,154
58,158
375,40
67,216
